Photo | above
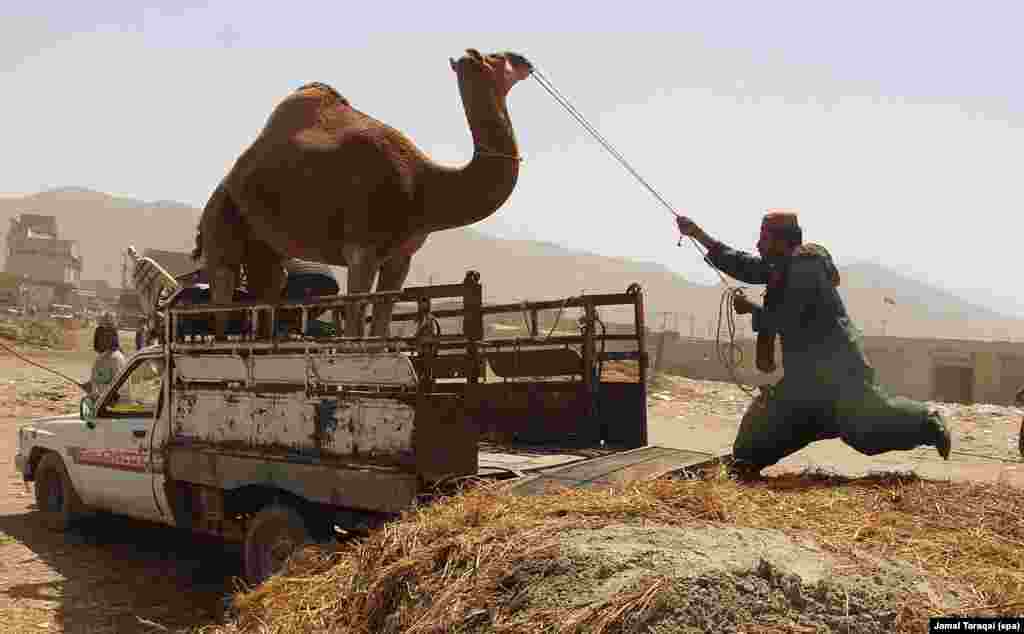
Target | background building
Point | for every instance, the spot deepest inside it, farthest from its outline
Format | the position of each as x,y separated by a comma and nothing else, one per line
52,267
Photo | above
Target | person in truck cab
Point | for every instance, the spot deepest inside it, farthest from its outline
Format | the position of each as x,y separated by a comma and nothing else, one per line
110,361
828,389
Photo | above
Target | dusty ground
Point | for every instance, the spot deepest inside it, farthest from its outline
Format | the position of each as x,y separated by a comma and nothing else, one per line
704,415
117,575
108,575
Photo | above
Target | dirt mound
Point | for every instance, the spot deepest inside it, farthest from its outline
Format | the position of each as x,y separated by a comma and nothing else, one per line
676,579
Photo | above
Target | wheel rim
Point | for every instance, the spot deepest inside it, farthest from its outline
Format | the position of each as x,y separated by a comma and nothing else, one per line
273,553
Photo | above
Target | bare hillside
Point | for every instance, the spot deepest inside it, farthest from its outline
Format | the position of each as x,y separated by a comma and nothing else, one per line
512,270
105,225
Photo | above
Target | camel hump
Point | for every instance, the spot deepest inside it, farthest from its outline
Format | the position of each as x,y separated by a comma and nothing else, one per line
326,92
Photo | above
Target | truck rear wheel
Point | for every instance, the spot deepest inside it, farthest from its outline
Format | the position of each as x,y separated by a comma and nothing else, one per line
273,535
56,497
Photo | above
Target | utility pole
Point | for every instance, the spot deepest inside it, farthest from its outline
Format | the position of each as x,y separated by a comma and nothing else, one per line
660,355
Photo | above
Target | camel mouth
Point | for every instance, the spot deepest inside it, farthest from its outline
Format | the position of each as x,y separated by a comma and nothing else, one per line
519,61
505,68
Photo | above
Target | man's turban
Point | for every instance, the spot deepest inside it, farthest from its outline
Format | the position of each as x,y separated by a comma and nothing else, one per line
780,219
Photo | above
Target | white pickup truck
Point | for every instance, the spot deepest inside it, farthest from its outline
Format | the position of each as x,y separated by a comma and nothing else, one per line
273,442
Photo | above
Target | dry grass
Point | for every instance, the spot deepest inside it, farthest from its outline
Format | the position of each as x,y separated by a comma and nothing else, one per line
452,566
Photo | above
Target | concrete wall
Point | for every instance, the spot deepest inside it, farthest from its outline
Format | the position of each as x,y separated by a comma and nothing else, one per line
698,358
905,367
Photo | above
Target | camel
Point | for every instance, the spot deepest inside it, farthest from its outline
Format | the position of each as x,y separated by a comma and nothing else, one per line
328,183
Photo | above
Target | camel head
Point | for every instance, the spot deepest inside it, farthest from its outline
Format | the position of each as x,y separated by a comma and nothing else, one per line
485,80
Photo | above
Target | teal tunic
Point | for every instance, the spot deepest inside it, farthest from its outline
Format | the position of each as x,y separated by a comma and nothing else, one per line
829,388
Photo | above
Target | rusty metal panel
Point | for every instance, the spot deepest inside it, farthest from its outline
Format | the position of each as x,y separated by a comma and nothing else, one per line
211,368
622,413
536,412
451,366
549,362
212,415
368,426
380,368
372,489
364,427
282,420
445,438
280,368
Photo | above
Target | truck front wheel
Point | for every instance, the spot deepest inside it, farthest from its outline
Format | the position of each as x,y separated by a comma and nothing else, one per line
273,534
55,495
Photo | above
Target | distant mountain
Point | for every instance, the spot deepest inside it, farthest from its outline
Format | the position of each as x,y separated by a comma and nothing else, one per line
906,291
105,225
518,269
1009,305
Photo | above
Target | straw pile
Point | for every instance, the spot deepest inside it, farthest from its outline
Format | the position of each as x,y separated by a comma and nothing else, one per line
477,561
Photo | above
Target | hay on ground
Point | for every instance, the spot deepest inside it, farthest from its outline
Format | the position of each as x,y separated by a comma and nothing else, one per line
457,564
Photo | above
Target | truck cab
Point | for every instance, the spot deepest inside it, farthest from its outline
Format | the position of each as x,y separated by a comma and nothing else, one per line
105,448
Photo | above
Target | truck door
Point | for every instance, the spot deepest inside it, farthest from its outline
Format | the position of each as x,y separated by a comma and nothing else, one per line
124,424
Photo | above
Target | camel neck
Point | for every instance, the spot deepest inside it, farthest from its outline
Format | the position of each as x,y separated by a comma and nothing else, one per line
457,197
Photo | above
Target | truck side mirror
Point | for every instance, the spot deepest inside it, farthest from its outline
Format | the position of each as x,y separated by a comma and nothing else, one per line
87,410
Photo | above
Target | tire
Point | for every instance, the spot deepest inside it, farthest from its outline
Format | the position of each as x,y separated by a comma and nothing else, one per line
272,536
56,497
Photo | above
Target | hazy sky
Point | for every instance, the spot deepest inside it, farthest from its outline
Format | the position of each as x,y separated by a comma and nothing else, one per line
895,128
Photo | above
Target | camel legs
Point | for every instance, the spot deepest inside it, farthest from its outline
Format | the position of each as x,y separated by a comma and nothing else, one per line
265,277
223,282
392,277
362,268
222,238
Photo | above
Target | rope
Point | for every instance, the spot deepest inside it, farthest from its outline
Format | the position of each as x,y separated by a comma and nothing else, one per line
42,367
576,114
730,354
483,150
726,352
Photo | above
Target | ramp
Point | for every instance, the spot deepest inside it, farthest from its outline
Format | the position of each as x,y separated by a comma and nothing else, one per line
611,471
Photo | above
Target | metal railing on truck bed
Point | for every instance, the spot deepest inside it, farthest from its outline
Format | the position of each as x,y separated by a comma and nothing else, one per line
464,385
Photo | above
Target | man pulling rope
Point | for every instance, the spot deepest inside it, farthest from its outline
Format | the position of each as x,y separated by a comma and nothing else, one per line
829,389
